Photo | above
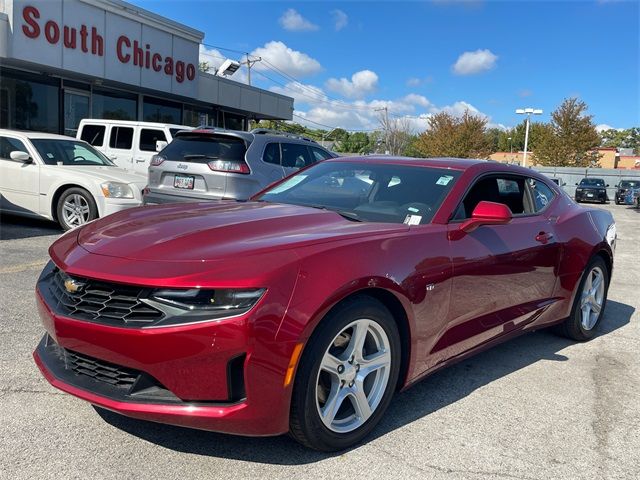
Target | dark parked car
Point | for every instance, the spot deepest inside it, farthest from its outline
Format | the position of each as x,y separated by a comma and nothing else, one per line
623,188
305,308
591,190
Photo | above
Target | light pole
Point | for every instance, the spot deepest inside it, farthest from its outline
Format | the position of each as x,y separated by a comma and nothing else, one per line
510,145
528,112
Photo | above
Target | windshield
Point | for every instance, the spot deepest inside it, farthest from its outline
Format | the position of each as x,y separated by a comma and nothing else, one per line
630,184
368,192
202,148
592,182
54,151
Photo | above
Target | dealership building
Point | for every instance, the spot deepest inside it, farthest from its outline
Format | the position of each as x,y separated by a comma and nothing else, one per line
65,60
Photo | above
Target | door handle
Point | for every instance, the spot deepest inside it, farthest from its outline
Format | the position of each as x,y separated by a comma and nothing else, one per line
113,157
544,237
140,160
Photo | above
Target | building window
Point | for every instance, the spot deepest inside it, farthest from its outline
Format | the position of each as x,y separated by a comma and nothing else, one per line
114,105
233,121
195,116
162,111
28,103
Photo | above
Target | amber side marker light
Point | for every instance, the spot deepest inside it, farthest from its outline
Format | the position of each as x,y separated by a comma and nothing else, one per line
292,364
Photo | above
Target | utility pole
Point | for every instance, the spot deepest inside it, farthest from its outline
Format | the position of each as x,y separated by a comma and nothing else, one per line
386,127
249,63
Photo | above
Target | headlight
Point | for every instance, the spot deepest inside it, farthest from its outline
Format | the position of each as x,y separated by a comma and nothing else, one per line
578,189
116,190
215,303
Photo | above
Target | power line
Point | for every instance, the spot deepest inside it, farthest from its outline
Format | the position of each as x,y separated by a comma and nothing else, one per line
331,127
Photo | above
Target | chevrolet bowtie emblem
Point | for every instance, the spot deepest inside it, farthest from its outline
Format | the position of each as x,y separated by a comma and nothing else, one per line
72,286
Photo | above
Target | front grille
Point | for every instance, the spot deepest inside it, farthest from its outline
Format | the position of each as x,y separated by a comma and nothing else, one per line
103,302
99,370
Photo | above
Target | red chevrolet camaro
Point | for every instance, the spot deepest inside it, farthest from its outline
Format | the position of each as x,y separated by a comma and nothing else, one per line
305,308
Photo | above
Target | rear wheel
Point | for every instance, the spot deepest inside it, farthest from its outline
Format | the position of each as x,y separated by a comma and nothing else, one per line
75,208
589,303
346,377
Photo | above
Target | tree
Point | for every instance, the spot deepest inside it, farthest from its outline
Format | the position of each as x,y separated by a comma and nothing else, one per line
629,138
397,133
572,138
204,67
450,136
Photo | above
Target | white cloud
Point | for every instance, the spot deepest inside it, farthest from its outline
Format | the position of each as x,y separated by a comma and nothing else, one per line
413,82
292,62
294,22
471,63
361,84
302,93
525,92
340,19
603,126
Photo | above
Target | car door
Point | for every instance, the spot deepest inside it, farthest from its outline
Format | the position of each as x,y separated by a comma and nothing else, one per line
120,146
145,148
503,275
19,181
270,167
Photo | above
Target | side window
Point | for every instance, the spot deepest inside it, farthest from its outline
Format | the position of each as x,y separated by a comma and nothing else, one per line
149,137
295,155
319,154
121,138
93,134
272,153
8,145
506,190
542,195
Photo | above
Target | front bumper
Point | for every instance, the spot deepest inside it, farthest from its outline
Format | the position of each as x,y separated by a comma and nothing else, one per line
185,372
591,196
112,205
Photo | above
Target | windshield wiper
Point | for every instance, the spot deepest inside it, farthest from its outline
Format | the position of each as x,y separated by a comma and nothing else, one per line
348,215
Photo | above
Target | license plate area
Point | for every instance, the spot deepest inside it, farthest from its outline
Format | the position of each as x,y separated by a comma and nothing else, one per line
184,182
589,194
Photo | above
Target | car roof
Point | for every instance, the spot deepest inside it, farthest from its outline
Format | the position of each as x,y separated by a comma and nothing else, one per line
31,134
439,162
132,123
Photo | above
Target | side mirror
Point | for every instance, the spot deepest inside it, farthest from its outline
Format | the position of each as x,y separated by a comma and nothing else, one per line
576,183
19,156
607,184
160,144
487,213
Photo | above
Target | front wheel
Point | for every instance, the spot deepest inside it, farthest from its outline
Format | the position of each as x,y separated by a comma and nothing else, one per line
75,207
346,377
589,302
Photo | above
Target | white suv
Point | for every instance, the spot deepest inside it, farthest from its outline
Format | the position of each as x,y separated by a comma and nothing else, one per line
62,179
129,145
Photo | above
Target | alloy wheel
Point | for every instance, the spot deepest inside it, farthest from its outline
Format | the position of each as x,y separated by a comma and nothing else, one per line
592,298
353,376
75,210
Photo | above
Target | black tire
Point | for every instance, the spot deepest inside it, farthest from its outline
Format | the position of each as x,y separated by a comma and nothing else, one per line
573,327
306,425
617,202
72,195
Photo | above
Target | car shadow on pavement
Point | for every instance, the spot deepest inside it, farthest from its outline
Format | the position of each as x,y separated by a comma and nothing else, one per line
13,227
435,392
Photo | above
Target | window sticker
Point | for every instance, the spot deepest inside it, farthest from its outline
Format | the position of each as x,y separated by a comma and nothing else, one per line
413,209
444,180
292,182
412,219
50,155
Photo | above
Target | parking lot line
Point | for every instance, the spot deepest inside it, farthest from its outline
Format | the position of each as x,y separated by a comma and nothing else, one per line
22,267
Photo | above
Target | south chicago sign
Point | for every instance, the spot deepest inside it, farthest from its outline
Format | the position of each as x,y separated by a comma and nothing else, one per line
79,36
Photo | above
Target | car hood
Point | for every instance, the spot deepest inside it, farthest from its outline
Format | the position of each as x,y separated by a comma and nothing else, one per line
103,173
221,230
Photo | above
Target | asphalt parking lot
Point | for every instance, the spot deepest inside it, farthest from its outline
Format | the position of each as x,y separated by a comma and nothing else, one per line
538,407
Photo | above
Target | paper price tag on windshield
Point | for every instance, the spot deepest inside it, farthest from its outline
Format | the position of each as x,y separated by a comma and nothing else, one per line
444,180
412,219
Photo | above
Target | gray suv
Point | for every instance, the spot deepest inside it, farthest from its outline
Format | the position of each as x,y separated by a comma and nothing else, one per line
214,164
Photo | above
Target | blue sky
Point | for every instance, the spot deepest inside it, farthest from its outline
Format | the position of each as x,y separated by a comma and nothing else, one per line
343,60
